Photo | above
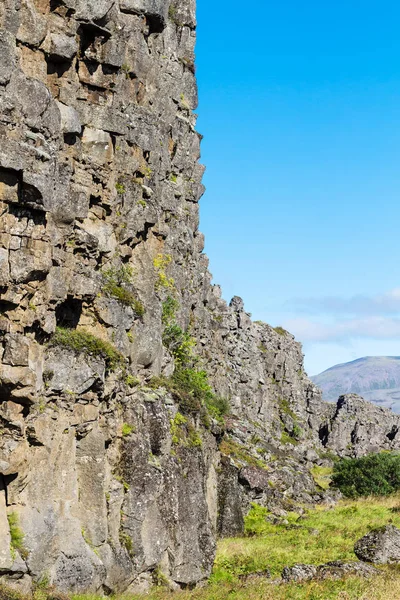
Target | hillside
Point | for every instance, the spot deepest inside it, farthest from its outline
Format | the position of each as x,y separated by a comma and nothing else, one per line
376,378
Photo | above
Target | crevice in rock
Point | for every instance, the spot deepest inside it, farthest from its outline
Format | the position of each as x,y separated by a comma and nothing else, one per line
392,434
59,7
323,434
69,312
31,196
57,67
26,212
142,236
70,139
35,330
5,391
6,305
91,34
5,481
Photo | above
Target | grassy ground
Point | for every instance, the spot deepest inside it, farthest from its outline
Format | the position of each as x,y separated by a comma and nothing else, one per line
320,536
386,587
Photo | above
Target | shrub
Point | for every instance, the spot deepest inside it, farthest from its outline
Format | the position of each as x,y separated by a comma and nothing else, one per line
180,343
255,522
193,392
161,263
169,308
218,407
375,474
184,433
83,341
322,476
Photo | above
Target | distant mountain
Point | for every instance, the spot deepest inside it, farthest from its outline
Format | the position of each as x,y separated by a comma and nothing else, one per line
375,378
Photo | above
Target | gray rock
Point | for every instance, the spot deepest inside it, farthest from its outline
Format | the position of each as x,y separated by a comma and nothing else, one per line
331,570
380,546
33,25
62,46
70,122
155,9
7,56
299,573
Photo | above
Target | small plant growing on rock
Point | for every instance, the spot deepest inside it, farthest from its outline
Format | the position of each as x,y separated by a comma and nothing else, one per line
161,263
120,188
131,381
17,536
83,341
126,541
127,429
115,280
126,69
184,433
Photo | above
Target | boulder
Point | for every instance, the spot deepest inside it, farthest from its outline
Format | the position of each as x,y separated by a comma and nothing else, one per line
380,546
331,570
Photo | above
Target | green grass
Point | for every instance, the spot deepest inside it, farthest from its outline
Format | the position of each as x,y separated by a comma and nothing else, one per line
385,587
323,535
240,454
83,341
280,330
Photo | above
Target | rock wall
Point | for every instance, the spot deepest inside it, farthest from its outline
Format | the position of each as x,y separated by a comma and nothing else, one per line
104,484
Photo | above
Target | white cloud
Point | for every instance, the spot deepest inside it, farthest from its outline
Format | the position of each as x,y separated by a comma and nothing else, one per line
373,327
383,304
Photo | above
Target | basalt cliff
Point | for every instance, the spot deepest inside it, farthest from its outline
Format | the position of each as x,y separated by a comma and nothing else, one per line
120,462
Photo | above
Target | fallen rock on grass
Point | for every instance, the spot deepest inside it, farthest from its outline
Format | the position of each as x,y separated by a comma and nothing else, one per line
331,570
380,546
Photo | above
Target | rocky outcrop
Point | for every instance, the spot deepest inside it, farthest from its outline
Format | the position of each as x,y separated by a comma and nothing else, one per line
110,476
379,546
355,427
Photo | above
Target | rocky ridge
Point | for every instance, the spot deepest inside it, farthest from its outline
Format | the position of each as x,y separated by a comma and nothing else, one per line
108,480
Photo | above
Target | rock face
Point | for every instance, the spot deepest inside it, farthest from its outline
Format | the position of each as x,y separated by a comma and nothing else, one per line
380,546
355,427
104,483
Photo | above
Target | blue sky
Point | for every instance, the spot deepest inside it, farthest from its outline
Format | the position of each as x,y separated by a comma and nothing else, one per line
300,112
